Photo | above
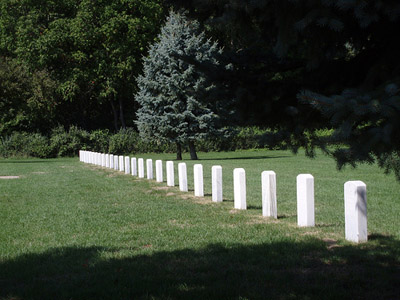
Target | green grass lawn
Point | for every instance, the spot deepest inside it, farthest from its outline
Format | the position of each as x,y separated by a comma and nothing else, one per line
75,231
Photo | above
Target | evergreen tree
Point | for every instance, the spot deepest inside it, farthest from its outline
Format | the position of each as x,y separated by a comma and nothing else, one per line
176,96
366,126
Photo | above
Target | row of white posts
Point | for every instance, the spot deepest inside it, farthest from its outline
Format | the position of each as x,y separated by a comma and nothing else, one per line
354,191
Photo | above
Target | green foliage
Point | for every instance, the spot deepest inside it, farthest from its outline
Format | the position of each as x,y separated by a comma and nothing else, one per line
176,96
22,144
123,142
100,140
26,99
68,143
366,124
278,49
93,49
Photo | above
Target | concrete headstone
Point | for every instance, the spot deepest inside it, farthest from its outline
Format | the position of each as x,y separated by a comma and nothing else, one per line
149,168
116,162
127,165
134,166
198,180
170,173
121,163
268,187
141,167
305,200
159,171
239,186
355,205
216,178
182,174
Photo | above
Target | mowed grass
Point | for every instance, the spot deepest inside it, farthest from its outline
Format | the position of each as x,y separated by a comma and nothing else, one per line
69,230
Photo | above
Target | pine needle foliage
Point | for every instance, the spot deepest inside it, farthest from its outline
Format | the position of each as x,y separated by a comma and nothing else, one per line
176,96
366,126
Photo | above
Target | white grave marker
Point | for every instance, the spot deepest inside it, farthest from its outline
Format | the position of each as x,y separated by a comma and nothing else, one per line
216,176
121,163
170,173
268,187
134,166
103,160
111,161
116,166
305,200
239,186
107,160
182,174
127,165
355,207
149,168
141,167
159,171
198,180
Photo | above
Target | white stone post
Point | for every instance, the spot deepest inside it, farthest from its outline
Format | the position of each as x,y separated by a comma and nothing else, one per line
149,168
127,165
141,167
159,171
216,178
116,165
111,161
107,160
239,186
170,173
198,180
355,206
134,166
268,188
182,174
121,163
305,200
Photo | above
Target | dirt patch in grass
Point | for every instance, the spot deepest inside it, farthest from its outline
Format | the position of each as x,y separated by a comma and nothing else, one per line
262,220
10,177
178,224
331,243
112,175
160,188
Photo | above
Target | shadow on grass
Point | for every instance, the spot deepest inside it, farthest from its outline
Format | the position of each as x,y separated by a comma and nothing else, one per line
17,161
283,270
246,157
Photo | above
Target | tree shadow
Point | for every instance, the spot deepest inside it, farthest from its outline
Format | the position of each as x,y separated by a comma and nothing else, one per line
257,207
6,161
246,157
279,270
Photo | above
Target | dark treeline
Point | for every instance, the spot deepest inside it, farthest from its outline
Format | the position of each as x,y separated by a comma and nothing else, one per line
296,66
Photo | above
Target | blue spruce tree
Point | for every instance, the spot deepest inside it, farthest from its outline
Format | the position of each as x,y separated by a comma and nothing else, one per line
176,96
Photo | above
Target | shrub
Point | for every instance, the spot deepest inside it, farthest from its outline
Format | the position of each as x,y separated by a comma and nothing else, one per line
125,141
69,143
25,145
100,140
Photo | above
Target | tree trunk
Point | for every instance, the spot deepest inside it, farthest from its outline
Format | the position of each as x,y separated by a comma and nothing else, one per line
192,148
115,115
121,113
178,151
